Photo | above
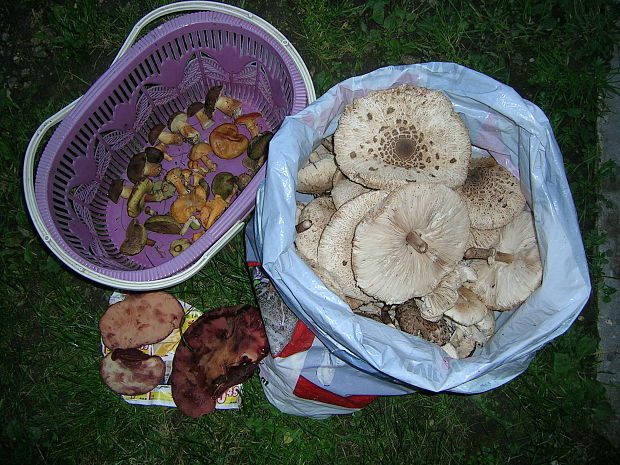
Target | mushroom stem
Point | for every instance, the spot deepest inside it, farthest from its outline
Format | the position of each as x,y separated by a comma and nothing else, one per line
303,226
485,254
150,242
477,252
415,241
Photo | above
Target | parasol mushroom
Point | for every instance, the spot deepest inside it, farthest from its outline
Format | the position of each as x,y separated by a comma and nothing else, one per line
318,212
393,136
315,176
334,251
408,243
511,273
492,194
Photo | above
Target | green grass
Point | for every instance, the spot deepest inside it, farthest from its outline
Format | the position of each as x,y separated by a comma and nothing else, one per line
54,406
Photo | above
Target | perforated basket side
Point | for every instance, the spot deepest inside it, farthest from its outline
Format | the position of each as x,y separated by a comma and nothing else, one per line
162,73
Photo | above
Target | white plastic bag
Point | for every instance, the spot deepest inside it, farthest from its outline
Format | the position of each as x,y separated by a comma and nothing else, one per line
500,122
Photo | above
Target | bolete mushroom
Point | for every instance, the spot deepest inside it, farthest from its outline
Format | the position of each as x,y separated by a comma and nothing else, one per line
221,349
224,184
179,245
511,273
135,239
118,190
158,134
140,319
131,372
408,243
163,224
161,190
227,105
197,109
227,142
139,166
177,122
492,194
135,202
408,133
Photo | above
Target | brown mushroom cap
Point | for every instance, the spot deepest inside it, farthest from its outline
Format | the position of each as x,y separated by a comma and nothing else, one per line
221,349
135,201
163,224
408,243
468,308
411,321
390,137
492,194
334,252
140,319
135,239
131,372
186,205
227,142
504,285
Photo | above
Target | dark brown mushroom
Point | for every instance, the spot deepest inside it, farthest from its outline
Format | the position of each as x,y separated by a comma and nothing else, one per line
221,349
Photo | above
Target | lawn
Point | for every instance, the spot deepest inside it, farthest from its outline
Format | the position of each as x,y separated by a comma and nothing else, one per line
53,403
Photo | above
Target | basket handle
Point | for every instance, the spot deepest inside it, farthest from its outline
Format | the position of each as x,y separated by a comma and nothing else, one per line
49,123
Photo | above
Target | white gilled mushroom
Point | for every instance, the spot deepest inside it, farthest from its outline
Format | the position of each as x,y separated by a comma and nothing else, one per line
493,195
507,277
318,213
434,304
468,309
315,176
334,252
408,133
408,243
343,189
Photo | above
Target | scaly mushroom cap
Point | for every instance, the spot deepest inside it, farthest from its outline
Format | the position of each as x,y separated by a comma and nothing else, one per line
500,285
483,238
408,243
411,321
131,372
315,176
318,211
492,194
343,189
334,252
390,137
140,319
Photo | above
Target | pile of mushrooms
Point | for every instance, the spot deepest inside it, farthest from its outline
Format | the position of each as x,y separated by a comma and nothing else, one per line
410,230
170,195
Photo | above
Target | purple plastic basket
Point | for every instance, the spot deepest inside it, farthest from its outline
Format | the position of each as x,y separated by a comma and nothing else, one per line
170,67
